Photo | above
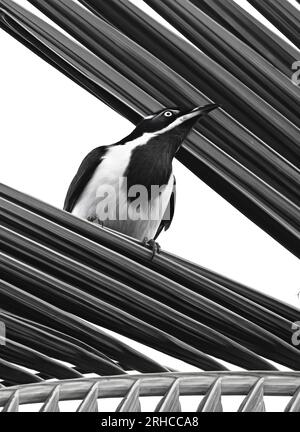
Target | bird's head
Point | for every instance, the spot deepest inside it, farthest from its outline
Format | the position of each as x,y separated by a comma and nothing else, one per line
173,124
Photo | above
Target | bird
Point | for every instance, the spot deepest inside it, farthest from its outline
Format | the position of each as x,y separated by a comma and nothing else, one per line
129,186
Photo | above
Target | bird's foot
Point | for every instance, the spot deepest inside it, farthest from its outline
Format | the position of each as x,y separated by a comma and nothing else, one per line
153,245
96,221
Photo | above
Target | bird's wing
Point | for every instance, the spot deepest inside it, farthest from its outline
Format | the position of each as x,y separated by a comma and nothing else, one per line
166,222
83,175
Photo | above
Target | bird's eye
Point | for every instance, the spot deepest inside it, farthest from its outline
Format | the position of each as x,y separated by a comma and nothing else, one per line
168,114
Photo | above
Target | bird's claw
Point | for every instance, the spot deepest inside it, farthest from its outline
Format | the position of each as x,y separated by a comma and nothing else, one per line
153,245
96,221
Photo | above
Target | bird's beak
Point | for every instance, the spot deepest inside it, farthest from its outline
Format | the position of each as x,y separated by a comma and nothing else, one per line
198,112
185,122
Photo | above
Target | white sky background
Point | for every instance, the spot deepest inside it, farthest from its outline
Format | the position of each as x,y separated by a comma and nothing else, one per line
48,124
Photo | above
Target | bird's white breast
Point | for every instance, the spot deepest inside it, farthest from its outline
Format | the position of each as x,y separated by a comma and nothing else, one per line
109,171
107,175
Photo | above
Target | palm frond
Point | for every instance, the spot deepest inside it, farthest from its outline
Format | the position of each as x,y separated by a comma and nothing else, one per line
165,293
205,74
170,388
283,15
57,345
236,163
251,31
47,265
234,55
67,284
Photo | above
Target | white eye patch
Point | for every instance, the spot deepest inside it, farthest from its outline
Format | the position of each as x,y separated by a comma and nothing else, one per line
168,114
177,121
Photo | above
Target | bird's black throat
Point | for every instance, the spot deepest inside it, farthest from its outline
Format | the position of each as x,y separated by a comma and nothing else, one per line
151,163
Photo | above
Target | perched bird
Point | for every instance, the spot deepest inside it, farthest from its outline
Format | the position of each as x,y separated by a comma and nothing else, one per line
129,186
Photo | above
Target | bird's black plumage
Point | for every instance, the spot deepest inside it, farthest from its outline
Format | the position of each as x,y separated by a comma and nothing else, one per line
150,164
87,168
143,158
93,160
83,175
166,222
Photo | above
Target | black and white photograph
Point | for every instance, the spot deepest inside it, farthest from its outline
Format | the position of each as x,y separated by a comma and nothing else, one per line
149,210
